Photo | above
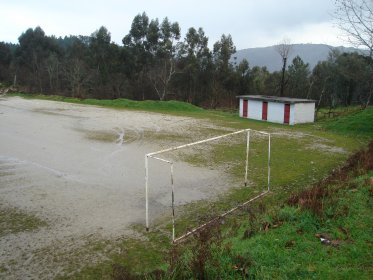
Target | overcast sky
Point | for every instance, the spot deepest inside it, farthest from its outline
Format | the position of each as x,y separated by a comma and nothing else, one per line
252,23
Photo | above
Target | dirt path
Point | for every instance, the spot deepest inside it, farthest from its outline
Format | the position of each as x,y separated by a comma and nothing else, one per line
81,170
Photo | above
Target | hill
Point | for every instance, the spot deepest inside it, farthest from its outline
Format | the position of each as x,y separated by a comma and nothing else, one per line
269,57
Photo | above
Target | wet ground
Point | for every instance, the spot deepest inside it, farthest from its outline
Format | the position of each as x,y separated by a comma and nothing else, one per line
81,170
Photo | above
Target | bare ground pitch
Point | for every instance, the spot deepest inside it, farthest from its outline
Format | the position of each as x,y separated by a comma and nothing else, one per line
80,170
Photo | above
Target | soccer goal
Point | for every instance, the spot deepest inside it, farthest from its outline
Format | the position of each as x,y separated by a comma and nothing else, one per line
245,137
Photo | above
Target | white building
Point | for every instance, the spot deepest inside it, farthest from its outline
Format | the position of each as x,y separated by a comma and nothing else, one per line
277,109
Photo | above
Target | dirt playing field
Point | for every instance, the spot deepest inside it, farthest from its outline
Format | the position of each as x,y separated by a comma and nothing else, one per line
79,170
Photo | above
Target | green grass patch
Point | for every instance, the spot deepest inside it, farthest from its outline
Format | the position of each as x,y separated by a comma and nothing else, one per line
264,242
357,123
14,221
294,250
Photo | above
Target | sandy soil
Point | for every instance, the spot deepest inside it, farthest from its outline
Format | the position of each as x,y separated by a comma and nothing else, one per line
81,169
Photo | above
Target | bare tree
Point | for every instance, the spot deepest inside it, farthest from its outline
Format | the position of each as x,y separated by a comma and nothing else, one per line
160,76
355,19
77,76
52,65
283,49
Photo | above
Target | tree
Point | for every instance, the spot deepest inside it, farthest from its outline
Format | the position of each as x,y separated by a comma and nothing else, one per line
271,83
34,48
152,47
223,51
194,57
325,87
100,49
259,76
162,45
283,50
355,19
223,70
118,72
138,31
244,81
355,75
76,73
344,79
136,54
52,64
5,60
75,66
298,78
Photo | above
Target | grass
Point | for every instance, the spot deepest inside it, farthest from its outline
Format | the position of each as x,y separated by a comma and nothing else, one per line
301,156
284,242
130,256
134,255
15,221
360,122
121,103
293,250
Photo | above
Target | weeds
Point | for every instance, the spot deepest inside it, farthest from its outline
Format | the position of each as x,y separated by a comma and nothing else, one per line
313,198
198,259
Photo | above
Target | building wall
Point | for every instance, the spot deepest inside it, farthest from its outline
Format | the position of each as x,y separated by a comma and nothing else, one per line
292,114
276,112
241,108
255,110
304,112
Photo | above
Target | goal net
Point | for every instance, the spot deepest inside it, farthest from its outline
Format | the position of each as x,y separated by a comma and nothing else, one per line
188,179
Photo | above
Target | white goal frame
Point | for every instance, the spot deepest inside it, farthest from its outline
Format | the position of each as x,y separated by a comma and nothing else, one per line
153,156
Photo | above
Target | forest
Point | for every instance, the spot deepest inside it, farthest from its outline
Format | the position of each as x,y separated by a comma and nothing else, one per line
155,63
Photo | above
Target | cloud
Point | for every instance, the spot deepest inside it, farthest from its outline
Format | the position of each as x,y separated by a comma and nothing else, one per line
250,22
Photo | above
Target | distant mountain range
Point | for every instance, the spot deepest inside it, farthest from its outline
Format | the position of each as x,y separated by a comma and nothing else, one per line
269,57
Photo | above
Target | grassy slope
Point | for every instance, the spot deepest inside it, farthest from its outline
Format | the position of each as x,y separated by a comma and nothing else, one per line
285,242
301,167
293,251
358,123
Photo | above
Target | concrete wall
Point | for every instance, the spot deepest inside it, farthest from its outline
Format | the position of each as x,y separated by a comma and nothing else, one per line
241,108
304,112
292,114
255,110
276,112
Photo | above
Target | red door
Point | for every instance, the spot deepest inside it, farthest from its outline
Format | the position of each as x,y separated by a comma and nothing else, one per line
287,113
264,111
244,112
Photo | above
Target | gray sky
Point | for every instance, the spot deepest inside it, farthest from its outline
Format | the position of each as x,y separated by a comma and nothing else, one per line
252,23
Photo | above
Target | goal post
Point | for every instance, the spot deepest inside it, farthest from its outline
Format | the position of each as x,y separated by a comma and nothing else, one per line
155,156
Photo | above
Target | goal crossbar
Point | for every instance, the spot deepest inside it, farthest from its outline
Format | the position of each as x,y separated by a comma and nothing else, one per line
153,156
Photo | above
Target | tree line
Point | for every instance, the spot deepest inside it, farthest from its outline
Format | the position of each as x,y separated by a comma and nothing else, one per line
154,62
